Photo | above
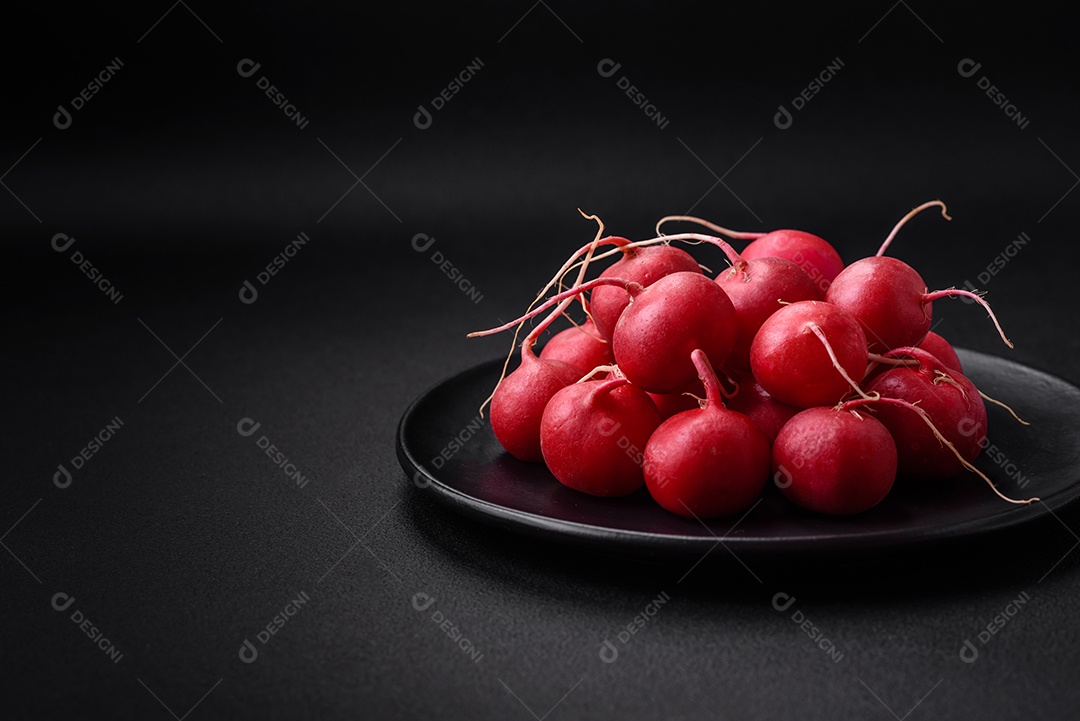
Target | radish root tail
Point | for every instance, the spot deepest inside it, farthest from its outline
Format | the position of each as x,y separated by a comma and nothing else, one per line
996,402
816,329
953,292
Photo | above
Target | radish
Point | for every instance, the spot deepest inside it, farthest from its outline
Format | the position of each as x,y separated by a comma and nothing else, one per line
949,399
665,322
517,405
834,460
807,354
580,347
707,462
593,436
941,349
813,254
643,266
758,288
755,403
889,298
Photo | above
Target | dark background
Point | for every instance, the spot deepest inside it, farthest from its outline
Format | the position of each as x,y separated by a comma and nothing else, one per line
180,180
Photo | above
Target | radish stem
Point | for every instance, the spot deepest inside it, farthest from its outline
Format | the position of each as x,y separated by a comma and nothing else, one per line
713,394
599,369
629,286
909,216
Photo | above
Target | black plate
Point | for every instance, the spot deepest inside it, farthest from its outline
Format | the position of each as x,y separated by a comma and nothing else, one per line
445,447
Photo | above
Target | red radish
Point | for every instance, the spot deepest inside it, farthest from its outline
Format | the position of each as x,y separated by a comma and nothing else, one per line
643,266
889,298
593,436
758,288
665,322
707,462
517,406
807,354
813,254
755,403
949,399
580,347
834,461
941,349
886,296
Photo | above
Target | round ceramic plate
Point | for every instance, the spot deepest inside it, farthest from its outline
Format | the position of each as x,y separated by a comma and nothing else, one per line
447,448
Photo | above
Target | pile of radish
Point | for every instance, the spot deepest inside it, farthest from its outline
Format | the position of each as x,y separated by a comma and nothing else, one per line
787,366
